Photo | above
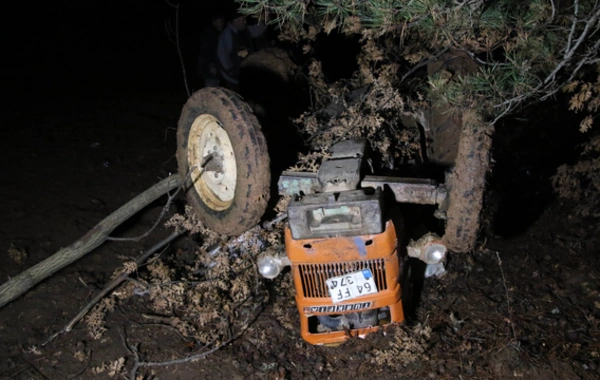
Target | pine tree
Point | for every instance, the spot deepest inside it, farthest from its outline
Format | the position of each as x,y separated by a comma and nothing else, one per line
525,50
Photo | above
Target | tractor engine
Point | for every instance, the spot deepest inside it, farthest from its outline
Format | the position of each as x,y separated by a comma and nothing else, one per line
342,245
345,285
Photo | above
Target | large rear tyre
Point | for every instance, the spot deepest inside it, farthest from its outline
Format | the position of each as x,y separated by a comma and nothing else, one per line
445,126
466,184
462,142
222,153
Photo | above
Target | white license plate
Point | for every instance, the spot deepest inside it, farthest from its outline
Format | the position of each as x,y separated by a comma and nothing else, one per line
351,285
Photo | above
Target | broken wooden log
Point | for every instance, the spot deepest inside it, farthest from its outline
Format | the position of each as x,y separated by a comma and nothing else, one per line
24,281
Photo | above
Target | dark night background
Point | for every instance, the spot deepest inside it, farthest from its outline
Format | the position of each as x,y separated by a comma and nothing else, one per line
92,95
63,47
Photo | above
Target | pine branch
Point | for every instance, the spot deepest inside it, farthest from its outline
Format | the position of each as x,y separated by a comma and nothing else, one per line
525,49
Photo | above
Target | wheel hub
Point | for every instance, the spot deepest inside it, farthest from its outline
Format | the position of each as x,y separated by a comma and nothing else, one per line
213,164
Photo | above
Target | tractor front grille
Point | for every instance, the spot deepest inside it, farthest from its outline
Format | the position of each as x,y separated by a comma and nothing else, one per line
314,275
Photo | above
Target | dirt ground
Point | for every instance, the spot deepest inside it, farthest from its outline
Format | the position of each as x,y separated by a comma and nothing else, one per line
527,306
524,304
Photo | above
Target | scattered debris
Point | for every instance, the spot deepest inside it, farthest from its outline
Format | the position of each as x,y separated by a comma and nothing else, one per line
17,254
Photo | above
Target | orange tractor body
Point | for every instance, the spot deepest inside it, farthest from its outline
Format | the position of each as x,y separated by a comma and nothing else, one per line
342,245
314,261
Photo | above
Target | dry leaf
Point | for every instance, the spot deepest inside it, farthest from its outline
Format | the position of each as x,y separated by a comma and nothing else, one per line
329,26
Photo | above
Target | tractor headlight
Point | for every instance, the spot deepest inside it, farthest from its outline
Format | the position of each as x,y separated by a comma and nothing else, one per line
268,267
435,253
271,262
429,248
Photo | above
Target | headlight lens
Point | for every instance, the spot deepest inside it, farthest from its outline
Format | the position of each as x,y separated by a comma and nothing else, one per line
268,267
435,253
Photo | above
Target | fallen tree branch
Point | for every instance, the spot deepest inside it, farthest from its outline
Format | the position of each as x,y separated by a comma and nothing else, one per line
139,364
113,284
158,220
190,358
18,285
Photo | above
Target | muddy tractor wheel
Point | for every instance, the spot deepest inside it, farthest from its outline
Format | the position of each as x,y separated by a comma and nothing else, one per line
466,185
270,80
444,126
222,153
273,61
461,142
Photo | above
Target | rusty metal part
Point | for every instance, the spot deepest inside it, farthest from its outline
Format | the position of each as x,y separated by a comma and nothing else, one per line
340,175
341,172
405,190
409,190
294,183
213,163
354,148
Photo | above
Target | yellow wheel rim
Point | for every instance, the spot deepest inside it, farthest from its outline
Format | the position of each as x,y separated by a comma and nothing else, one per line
209,145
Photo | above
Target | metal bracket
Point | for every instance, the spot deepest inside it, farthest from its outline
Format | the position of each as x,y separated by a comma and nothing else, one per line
405,190
341,172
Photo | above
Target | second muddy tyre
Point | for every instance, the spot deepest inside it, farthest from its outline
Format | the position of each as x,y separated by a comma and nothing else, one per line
222,154
466,185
